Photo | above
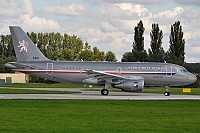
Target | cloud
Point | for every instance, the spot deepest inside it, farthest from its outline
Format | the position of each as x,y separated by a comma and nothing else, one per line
192,54
139,9
27,7
124,16
24,16
170,13
7,8
4,25
143,2
193,41
30,21
34,22
73,9
115,41
107,27
39,24
188,2
127,11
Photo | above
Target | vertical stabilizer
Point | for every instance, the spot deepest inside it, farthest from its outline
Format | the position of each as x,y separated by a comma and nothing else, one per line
25,49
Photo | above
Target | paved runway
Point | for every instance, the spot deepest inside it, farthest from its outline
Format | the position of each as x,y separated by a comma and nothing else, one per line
96,95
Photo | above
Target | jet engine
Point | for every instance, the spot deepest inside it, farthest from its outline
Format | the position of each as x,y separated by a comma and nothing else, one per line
131,85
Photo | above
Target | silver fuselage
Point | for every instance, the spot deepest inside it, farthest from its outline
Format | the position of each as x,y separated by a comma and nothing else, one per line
154,74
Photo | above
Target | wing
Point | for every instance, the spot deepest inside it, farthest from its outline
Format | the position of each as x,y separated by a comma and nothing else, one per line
108,77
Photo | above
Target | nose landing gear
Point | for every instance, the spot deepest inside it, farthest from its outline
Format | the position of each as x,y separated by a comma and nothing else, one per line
167,93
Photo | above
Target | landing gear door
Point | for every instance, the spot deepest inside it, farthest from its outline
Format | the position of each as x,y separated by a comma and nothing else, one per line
49,69
168,71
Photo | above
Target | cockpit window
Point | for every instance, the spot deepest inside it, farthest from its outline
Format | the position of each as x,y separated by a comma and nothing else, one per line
183,70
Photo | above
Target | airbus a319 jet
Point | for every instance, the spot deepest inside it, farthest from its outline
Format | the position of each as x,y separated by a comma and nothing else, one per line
127,76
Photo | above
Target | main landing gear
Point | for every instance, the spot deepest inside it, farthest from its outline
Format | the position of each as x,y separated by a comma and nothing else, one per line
105,91
167,93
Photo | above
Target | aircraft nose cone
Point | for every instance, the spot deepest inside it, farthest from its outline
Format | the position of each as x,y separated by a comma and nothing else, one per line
192,78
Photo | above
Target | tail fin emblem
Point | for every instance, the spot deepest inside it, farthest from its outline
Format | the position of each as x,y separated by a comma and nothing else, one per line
23,45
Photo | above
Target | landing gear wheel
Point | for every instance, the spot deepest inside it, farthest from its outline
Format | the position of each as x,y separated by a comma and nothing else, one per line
104,92
167,93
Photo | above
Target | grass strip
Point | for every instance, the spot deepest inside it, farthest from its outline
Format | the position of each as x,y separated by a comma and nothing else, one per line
89,116
26,91
44,85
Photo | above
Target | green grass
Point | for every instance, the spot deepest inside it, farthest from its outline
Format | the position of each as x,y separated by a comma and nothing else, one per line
26,91
45,85
106,116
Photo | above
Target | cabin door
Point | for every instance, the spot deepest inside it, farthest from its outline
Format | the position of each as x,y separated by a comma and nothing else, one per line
168,71
49,69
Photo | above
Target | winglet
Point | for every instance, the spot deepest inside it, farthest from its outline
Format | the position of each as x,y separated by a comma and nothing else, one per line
25,49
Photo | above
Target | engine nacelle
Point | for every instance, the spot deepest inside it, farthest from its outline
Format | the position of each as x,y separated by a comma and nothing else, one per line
131,85
92,81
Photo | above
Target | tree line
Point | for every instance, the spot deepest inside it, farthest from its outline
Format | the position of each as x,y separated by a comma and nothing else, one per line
68,48
175,54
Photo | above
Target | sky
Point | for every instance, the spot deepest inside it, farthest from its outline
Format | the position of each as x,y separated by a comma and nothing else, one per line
106,24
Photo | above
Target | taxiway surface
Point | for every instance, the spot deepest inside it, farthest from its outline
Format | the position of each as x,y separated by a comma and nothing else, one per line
87,94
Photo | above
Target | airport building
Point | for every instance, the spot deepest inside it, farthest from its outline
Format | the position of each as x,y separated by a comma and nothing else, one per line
13,78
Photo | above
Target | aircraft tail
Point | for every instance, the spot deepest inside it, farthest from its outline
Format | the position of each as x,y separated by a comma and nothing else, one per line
25,49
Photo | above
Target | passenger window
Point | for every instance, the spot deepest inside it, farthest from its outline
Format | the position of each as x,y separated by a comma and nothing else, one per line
177,70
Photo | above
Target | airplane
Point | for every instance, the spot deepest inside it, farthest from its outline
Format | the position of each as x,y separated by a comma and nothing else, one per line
127,76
